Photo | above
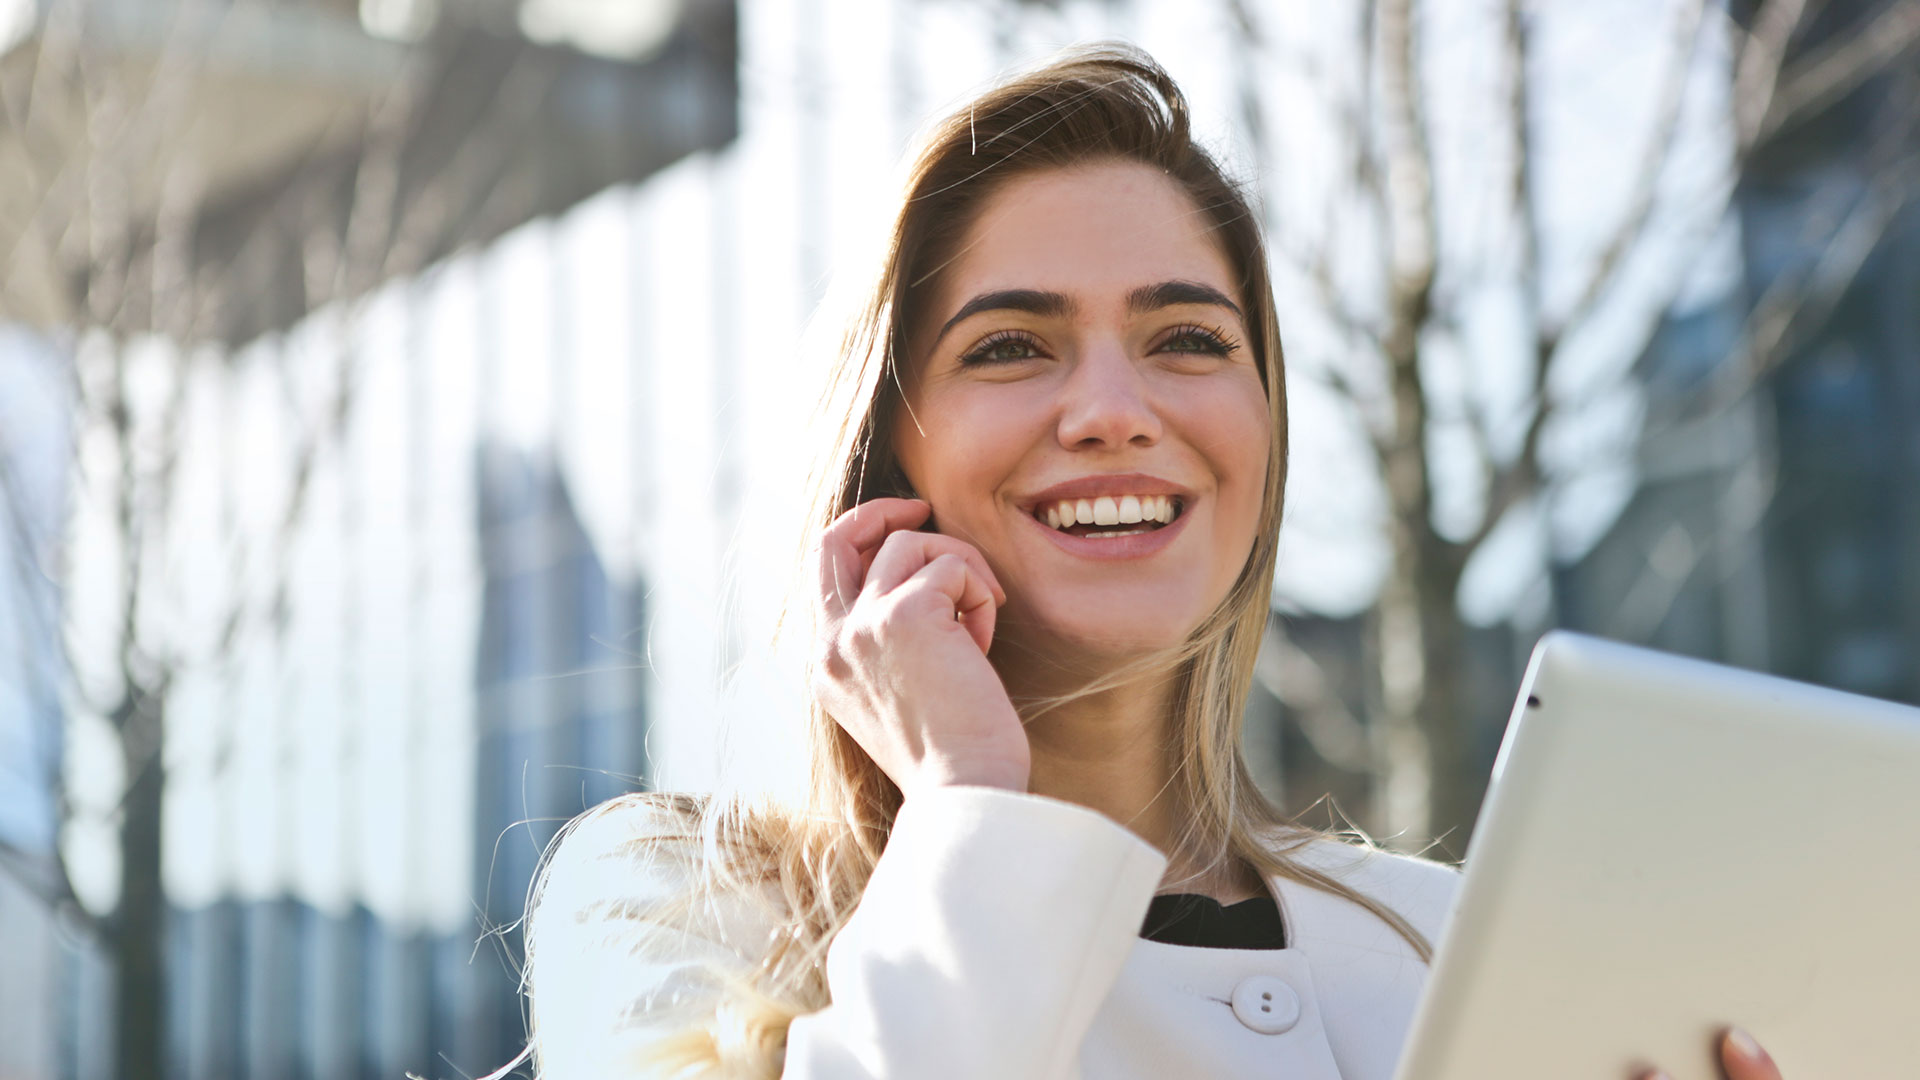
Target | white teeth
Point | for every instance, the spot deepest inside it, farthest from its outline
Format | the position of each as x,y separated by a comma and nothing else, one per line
1108,510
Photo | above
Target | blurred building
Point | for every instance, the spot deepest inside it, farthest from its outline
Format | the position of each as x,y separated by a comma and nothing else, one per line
598,231
34,443
562,717
509,586
359,789
378,136
1777,525
283,987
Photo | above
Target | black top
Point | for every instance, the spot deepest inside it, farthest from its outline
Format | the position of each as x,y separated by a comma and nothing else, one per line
1191,919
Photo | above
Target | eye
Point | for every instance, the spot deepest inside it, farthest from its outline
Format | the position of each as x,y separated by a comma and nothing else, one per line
1005,347
1194,338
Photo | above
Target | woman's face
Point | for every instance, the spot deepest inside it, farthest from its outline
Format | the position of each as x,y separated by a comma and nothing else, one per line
1086,354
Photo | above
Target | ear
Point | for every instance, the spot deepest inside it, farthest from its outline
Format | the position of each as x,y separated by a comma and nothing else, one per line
898,483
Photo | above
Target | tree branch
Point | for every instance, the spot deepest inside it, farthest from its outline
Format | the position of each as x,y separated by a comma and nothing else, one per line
1688,23
1795,306
1756,67
1516,49
1837,67
1674,559
45,877
1412,234
1409,167
1299,682
1509,484
1514,482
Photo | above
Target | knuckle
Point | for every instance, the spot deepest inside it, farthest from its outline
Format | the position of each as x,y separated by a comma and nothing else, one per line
865,634
949,568
915,584
902,540
830,662
895,608
924,599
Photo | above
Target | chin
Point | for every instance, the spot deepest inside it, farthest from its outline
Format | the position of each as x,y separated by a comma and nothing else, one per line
1114,635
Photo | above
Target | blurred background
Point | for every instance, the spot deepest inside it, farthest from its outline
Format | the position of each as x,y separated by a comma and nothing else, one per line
399,398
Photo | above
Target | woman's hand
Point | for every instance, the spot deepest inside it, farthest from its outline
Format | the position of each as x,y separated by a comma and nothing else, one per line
1740,1056
901,655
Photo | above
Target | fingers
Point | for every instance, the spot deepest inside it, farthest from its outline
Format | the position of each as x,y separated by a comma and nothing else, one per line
847,547
872,549
1740,1057
904,553
1744,1059
950,583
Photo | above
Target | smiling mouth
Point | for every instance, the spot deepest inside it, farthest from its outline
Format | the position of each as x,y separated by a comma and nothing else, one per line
1110,517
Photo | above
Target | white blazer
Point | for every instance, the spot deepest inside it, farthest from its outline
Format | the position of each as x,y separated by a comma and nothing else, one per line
999,939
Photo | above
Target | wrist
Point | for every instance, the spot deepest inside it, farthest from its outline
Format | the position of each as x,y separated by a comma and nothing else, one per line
946,772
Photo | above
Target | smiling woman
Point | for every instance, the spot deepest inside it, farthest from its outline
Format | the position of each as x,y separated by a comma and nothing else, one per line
1098,367
1043,545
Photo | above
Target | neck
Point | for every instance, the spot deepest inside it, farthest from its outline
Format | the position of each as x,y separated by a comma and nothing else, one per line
1111,751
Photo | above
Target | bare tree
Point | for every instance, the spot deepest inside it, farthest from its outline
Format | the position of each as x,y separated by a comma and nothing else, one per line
200,173
108,156
1386,272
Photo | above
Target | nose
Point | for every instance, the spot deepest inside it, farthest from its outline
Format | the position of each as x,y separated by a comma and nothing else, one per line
1106,403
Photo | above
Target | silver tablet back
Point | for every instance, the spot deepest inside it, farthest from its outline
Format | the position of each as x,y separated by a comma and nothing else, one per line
1670,846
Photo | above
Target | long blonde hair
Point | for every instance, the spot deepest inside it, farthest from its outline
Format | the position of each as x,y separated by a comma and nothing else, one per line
809,865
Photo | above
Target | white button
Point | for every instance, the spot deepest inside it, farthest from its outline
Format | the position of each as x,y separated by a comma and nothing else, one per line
1266,1004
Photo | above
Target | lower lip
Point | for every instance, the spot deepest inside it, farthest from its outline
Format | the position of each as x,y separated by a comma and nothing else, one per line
1137,546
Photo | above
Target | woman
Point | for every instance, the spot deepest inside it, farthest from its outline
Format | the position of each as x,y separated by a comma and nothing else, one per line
1045,542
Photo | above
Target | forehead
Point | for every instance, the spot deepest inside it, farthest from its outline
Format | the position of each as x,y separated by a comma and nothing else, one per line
1094,232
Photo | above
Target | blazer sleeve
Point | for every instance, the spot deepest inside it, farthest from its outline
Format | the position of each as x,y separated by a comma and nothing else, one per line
989,935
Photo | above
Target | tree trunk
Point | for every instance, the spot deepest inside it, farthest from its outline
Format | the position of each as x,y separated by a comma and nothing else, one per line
1453,795
1424,790
140,923
1403,778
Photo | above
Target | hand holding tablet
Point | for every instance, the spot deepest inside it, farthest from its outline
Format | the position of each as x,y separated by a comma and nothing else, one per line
1668,848
1740,1056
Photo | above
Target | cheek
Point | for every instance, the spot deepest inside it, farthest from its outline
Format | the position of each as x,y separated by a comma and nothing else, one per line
959,449
1229,424
1232,430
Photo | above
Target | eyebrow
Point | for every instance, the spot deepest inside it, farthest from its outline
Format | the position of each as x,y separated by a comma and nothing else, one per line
1031,301
1168,293
1053,305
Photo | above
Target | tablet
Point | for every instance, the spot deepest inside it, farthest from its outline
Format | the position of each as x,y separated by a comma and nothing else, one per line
1668,847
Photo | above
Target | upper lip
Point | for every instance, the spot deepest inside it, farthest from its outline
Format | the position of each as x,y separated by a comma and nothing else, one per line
1115,484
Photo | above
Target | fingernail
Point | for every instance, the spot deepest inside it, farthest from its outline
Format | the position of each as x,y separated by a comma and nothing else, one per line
1658,1074
1744,1045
